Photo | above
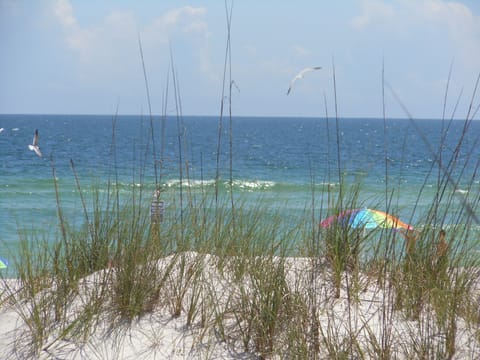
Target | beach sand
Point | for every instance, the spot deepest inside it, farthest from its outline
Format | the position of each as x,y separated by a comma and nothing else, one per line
159,335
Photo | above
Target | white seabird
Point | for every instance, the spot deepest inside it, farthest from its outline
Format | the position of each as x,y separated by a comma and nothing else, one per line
300,76
34,145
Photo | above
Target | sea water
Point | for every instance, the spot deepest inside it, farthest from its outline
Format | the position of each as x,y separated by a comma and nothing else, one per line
286,165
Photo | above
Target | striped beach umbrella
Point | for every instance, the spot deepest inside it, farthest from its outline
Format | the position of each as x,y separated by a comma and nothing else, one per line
365,219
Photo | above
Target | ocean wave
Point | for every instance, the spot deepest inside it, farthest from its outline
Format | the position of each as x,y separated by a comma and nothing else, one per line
328,184
238,184
174,183
253,184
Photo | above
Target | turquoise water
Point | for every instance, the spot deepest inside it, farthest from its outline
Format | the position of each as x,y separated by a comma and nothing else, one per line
280,162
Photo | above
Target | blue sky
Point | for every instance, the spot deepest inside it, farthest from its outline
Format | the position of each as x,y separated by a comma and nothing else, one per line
82,56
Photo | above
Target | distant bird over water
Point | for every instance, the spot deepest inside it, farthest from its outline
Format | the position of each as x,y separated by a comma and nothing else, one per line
34,145
300,76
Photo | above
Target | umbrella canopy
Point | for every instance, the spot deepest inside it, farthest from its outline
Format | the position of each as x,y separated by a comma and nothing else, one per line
3,263
365,219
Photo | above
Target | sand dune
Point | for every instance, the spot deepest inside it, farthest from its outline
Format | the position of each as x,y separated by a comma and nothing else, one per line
159,335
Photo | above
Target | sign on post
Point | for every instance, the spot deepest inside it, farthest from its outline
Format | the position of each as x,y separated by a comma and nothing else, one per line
156,208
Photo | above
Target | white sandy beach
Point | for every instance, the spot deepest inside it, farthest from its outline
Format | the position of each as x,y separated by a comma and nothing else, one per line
159,335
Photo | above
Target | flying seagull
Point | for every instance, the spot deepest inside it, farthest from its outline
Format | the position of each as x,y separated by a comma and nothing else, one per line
34,145
300,76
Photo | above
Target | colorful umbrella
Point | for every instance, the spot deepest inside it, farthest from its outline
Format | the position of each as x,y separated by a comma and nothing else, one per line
3,263
365,219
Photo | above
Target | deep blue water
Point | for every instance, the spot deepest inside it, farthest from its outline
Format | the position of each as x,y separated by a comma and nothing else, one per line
275,161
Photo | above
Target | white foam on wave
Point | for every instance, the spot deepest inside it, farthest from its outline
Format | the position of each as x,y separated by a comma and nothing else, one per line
328,185
253,184
248,185
189,183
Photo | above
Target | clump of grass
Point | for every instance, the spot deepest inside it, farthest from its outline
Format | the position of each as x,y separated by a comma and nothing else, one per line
341,242
136,280
261,305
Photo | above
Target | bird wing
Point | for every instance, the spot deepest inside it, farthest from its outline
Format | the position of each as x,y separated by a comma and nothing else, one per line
300,75
35,138
296,77
289,88
37,151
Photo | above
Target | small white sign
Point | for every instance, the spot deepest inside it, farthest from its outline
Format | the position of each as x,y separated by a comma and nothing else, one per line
156,210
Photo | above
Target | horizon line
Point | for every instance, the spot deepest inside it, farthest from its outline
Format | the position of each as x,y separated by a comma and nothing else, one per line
233,116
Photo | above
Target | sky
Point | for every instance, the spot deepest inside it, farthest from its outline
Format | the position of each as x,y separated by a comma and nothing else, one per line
83,57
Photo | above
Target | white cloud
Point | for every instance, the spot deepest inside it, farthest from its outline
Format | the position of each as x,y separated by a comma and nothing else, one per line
104,55
456,16
175,16
99,41
372,11
119,26
112,45
184,20
64,12
183,27
462,25
300,51
455,21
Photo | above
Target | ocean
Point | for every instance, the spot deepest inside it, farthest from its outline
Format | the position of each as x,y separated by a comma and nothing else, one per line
281,164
